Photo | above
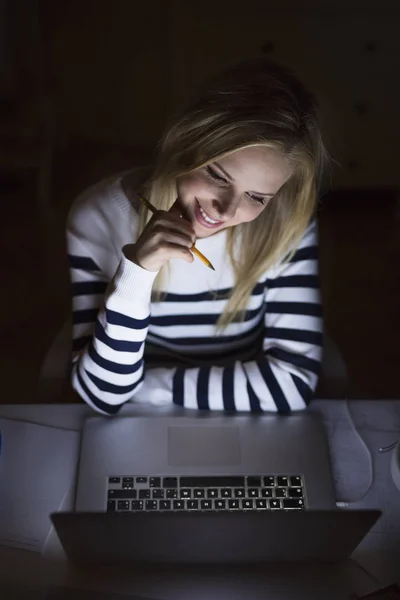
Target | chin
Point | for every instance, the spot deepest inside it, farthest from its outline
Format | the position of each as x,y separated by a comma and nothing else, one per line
204,233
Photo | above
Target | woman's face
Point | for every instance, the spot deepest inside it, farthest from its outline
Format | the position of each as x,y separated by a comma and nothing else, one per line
232,190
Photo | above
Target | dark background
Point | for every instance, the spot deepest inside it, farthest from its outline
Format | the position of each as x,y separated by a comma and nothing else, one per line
85,90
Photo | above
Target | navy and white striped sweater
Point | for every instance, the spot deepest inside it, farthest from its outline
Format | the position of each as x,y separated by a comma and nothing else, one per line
126,347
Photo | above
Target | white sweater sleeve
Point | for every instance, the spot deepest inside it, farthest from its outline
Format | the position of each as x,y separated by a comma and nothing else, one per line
110,323
110,301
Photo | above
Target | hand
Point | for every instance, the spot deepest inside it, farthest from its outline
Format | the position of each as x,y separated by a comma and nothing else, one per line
167,235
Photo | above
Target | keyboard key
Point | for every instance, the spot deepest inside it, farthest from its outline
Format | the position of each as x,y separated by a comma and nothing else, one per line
293,503
240,493
275,504
122,494
141,479
261,504
144,494
123,504
226,493
186,493
155,482
207,482
266,493
151,504
170,482
295,481
159,493
165,504
199,493
280,493
295,493
252,492
233,504
206,504
127,482
220,504
193,504
246,504
118,480
269,481
111,506
283,481
254,482
212,493
137,505
179,504
171,493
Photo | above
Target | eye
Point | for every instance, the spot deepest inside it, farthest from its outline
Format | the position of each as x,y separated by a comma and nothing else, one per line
214,175
258,199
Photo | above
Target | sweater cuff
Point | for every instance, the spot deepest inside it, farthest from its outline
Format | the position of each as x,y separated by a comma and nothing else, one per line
131,284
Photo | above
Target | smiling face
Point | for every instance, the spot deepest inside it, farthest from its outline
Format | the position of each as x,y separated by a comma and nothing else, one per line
231,190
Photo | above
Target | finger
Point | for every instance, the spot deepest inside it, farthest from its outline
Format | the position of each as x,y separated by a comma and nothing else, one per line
166,219
174,223
179,208
175,251
160,236
176,208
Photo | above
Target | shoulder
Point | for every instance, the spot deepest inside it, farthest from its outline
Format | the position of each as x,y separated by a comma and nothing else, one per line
310,236
101,221
309,239
302,257
102,208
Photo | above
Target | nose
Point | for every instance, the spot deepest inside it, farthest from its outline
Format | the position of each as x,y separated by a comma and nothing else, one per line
225,206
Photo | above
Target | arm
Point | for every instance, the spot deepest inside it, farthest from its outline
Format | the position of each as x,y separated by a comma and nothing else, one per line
110,328
107,341
284,377
111,303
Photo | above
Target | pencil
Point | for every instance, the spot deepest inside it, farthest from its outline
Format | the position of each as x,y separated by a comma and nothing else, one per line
193,249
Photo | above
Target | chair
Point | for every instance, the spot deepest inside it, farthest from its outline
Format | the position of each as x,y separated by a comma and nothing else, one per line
334,379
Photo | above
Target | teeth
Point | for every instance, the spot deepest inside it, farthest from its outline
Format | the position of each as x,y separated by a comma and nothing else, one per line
206,217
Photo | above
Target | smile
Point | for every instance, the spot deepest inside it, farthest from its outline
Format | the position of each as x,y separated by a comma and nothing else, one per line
207,218
203,218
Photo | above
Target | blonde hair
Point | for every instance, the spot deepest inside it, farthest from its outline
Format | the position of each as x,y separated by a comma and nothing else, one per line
256,103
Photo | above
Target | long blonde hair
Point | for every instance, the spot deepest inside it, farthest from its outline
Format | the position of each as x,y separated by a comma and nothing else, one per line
256,103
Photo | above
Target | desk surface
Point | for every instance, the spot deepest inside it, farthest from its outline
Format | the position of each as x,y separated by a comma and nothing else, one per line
364,482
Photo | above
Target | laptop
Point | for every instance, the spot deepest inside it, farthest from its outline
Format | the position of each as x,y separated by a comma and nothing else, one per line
207,489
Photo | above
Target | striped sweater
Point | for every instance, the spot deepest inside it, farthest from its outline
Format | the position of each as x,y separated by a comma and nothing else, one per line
126,347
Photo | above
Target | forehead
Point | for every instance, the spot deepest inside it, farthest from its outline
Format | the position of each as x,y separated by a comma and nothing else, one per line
258,168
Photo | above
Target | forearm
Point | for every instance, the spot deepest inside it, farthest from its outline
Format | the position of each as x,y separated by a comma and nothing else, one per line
284,376
108,370
263,385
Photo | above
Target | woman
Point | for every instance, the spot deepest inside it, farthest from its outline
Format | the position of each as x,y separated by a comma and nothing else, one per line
238,175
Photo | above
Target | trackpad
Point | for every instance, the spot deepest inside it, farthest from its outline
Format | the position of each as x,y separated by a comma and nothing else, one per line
203,446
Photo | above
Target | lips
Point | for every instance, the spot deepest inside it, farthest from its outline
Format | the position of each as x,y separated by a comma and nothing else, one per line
202,217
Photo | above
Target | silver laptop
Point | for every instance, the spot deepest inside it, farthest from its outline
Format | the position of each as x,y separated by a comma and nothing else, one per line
207,489
204,463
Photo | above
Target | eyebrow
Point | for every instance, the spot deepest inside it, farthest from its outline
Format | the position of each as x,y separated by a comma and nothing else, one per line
231,179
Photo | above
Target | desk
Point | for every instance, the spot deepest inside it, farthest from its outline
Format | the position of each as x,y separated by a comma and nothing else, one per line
355,477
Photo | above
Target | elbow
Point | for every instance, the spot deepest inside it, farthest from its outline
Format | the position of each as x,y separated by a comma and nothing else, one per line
102,398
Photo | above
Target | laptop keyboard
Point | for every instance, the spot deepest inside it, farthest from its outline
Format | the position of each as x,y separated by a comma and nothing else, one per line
214,493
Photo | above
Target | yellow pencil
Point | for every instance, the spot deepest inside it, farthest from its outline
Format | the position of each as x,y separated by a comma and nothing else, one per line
193,249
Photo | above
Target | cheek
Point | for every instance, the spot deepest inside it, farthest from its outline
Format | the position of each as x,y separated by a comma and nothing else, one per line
248,213
190,185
